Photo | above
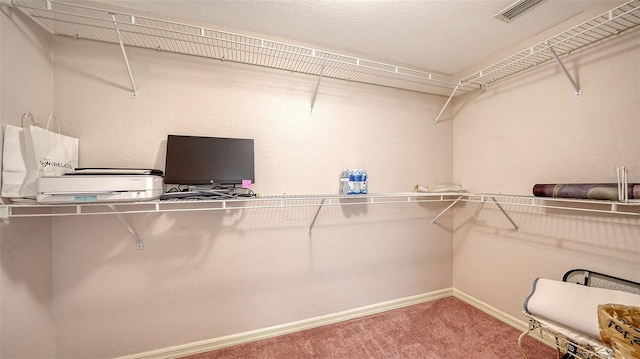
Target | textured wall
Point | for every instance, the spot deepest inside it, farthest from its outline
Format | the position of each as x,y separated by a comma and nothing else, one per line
205,275
26,280
533,129
383,130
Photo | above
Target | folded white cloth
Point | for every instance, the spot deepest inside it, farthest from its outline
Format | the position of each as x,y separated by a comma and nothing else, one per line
572,305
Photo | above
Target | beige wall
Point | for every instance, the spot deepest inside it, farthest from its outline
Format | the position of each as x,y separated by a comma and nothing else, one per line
26,279
533,129
353,125
206,275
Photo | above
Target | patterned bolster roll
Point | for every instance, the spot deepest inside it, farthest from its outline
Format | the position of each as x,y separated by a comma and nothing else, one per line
605,191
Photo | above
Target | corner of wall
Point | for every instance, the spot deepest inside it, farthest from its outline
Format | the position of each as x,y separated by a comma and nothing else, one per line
26,271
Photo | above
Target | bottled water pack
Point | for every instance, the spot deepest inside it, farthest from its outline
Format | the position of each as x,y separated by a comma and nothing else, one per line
353,181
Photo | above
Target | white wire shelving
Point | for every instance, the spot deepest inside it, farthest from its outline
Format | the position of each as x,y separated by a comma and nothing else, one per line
104,25
629,208
22,210
632,207
605,25
31,210
610,23
18,210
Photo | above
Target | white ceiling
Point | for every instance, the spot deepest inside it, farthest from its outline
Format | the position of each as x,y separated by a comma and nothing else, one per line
435,35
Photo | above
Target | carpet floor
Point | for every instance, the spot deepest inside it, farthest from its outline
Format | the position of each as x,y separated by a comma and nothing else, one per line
446,328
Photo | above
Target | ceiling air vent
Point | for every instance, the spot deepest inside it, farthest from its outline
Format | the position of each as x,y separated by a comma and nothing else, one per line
516,9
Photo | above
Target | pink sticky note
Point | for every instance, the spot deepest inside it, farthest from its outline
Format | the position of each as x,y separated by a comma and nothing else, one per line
246,183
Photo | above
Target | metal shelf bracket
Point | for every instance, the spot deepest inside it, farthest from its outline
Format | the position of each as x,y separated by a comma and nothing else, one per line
566,72
316,216
134,93
139,243
315,93
494,200
506,214
446,209
4,212
446,104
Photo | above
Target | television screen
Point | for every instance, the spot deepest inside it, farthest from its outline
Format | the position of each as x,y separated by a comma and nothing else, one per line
193,160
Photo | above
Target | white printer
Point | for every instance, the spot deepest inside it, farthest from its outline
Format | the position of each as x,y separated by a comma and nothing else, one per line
99,188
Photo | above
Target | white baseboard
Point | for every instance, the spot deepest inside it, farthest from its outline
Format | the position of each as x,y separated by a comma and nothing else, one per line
496,313
254,335
521,325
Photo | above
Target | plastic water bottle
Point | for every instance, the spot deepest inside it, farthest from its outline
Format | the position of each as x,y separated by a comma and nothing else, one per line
344,182
353,182
363,185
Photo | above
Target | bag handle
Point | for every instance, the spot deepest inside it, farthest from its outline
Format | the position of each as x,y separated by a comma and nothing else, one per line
28,116
53,118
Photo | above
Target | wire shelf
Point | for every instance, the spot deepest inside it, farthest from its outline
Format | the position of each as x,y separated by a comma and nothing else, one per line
288,201
610,23
309,201
90,23
185,205
631,208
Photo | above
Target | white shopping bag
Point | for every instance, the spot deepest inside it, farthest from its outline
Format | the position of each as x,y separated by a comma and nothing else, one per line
42,153
14,159
51,153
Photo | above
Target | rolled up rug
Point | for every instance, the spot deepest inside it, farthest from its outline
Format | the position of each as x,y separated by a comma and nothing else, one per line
603,191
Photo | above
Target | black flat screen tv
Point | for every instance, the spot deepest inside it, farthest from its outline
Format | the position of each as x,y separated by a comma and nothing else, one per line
194,160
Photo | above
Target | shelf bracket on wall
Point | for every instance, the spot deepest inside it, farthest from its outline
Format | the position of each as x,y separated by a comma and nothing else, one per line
315,93
494,200
4,212
446,104
566,72
506,214
316,216
134,93
446,209
139,243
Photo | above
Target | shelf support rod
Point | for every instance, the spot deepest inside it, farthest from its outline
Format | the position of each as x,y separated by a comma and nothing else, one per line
446,104
315,93
506,214
139,243
5,211
316,216
134,94
446,209
566,72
